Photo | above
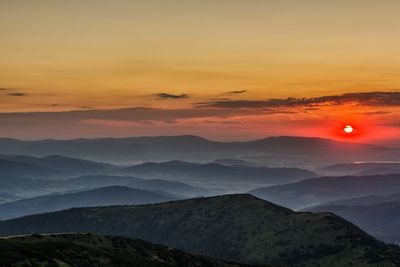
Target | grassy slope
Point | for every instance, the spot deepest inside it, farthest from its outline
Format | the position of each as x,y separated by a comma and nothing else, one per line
93,250
240,228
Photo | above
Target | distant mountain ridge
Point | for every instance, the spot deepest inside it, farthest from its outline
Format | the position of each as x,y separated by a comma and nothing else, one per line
53,166
104,196
237,228
363,168
365,200
188,171
24,187
315,191
194,148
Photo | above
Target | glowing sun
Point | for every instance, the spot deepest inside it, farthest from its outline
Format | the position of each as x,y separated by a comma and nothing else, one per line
348,129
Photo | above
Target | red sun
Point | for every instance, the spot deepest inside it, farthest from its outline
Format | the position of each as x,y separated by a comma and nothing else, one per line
348,129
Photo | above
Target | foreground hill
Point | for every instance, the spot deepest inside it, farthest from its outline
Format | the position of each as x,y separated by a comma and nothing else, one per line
238,228
213,172
93,250
105,196
380,220
312,192
282,151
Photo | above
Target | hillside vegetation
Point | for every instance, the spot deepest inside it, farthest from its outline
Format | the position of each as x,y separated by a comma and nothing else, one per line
80,250
239,228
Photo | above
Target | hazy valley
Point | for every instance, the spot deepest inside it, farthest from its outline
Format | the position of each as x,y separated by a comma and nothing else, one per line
236,209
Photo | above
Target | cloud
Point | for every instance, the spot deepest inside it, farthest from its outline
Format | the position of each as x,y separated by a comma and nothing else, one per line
375,113
222,122
234,92
172,96
362,99
134,114
18,94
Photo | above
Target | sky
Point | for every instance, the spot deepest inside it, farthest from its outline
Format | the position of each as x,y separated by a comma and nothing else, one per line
224,70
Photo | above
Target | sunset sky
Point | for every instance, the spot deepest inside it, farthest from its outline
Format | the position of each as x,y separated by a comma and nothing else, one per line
225,70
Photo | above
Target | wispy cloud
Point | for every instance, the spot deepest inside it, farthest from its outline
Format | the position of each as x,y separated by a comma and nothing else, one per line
362,99
234,92
18,94
172,96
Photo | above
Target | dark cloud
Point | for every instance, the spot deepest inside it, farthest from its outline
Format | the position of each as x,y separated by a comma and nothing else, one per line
234,92
172,96
362,99
18,94
222,122
375,113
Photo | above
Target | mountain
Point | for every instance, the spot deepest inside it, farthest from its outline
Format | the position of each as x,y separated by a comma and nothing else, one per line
362,168
171,187
238,228
5,197
364,201
27,170
279,151
50,167
380,220
66,164
26,188
212,172
105,196
94,250
315,191
231,162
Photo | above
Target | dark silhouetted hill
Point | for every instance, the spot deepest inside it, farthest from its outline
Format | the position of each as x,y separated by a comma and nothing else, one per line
238,228
380,220
92,250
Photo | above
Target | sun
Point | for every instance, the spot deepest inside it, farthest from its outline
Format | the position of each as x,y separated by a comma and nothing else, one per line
348,129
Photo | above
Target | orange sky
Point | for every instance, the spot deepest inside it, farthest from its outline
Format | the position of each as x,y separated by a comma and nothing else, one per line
88,55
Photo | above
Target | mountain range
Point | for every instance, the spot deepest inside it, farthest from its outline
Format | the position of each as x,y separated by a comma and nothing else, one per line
25,187
365,200
362,168
238,228
213,172
105,196
316,191
279,151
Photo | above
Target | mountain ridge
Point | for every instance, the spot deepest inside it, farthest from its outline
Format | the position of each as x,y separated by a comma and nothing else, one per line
239,228
194,148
